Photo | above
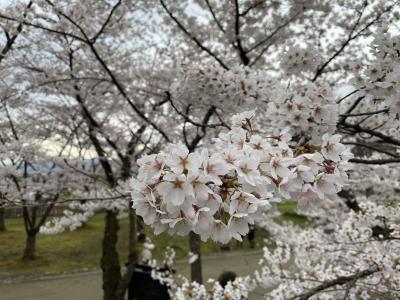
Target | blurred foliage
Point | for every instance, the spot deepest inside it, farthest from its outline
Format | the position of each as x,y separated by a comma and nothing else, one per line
288,211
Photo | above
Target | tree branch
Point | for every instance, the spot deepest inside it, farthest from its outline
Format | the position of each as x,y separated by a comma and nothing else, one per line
11,40
351,37
375,161
106,21
371,148
193,38
214,16
358,129
43,28
338,281
242,53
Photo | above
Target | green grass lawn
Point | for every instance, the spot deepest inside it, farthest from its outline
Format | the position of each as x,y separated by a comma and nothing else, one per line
80,250
288,211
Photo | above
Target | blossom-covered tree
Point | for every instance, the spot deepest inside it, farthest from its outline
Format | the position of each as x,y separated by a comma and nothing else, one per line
70,85
309,110
35,184
67,96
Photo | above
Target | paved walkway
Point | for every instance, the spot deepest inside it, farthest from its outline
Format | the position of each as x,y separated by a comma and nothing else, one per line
87,286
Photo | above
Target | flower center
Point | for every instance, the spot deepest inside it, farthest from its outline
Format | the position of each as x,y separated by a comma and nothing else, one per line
329,147
177,184
245,169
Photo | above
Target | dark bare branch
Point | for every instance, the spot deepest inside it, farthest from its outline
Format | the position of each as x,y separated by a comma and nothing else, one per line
106,21
338,281
375,161
351,37
11,39
371,147
242,53
192,37
37,26
214,16
355,128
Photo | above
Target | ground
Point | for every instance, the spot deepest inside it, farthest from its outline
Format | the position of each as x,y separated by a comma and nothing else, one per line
88,285
80,250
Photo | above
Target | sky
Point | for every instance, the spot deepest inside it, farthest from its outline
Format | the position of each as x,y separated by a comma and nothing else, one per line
5,3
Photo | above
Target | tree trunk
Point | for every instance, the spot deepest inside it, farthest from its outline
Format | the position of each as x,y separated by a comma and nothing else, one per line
2,215
195,268
133,251
30,246
109,259
132,256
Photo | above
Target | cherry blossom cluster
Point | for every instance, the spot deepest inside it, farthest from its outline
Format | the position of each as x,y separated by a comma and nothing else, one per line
95,196
299,59
180,288
29,176
362,248
238,289
15,151
379,80
77,214
308,111
32,183
378,184
239,88
217,193
164,275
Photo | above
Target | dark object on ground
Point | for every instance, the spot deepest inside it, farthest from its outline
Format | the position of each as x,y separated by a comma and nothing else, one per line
141,237
382,233
225,277
251,236
226,247
144,287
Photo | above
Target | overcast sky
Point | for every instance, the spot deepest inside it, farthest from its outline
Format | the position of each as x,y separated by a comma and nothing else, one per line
4,3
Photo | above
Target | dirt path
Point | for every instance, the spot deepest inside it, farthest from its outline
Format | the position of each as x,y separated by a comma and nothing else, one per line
87,286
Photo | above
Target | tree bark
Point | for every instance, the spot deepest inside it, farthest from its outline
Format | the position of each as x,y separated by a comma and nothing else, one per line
2,215
30,246
133,256
195,268
110,259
